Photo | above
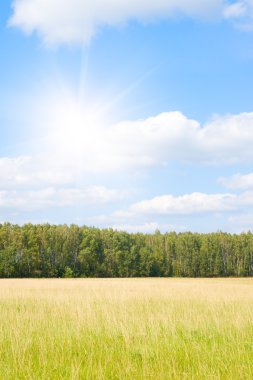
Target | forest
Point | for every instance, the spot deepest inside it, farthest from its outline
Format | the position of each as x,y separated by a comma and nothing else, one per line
51,251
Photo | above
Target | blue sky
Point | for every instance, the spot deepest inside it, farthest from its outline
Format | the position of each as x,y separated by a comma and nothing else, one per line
131,115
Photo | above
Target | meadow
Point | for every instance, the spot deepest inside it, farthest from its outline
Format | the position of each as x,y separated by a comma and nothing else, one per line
126,329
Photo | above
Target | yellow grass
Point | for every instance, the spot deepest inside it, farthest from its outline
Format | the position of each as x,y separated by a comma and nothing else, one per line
126,329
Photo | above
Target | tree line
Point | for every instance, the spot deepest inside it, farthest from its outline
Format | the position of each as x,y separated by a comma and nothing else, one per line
71,251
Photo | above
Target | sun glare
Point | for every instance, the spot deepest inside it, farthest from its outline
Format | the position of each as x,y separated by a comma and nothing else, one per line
74,126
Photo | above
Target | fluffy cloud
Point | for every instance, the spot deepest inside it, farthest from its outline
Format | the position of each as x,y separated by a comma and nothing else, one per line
188,204
75,150
238,181
60,174
172,136
78,20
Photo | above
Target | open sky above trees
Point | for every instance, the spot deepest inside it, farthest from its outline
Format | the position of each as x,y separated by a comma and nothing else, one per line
136,115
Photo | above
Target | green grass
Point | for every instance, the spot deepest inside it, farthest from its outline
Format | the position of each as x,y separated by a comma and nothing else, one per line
126,329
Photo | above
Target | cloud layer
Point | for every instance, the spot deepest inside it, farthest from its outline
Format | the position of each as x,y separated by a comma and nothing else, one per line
241,12
131,145
188,204
78,20
31,200
168,136
63,175
238,181
172,136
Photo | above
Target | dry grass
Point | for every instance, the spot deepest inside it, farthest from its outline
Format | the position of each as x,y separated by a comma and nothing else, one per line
126,329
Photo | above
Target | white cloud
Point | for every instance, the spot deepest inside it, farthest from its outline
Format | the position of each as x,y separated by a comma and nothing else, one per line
188,204
63,172
235,10
73,149
150,227
57,21
238,181
138,224
172,136
147,142
31,200
28,171
242,221
241,12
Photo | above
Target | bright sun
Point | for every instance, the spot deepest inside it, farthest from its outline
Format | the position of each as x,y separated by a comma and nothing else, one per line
73,127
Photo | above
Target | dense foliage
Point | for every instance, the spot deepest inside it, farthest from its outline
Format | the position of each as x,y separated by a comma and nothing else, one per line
63,251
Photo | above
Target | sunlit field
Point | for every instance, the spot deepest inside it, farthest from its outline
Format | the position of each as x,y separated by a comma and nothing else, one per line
126,329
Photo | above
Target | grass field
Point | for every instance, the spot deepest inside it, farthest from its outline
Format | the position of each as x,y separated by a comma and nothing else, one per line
126,329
